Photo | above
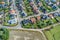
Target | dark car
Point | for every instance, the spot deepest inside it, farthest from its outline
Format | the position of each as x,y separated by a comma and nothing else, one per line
44,17
55,14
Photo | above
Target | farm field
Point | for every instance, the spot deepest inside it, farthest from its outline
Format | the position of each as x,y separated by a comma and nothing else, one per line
25,35
53,34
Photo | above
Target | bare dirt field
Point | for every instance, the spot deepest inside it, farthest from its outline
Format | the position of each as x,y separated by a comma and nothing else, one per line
25,35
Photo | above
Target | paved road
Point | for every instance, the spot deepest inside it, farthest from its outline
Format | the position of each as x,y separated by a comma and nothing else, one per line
40,14
20,19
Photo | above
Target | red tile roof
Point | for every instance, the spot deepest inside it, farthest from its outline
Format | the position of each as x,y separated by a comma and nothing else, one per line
35,8
37,11
33,20
12,11
31,3
2,2
38,17
50,15
40,4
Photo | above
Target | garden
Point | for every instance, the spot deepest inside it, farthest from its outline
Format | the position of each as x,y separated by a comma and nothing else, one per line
7,18
28,8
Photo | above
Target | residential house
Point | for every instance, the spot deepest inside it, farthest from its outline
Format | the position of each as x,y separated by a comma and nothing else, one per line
44,10
20,7
31,2
55,14
33,20
50,4
38,18
59,14
2,2
51,16
12,21
12,16
54,6
25,21
39,3
13,12
35,9
23,14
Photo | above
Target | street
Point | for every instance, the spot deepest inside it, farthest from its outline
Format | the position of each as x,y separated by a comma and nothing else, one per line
20,19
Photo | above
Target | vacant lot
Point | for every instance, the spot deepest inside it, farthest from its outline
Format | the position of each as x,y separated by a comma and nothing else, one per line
25,35
54,33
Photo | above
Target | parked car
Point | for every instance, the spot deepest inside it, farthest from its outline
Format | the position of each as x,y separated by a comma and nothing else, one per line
43,17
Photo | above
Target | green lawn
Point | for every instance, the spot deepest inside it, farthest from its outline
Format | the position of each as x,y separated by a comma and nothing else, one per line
28,8
27,26
54,33
58,18
49,35
4,34
54,20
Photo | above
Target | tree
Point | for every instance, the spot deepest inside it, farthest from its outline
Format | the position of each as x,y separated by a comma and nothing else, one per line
5,35
34,25
39,24
27,26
